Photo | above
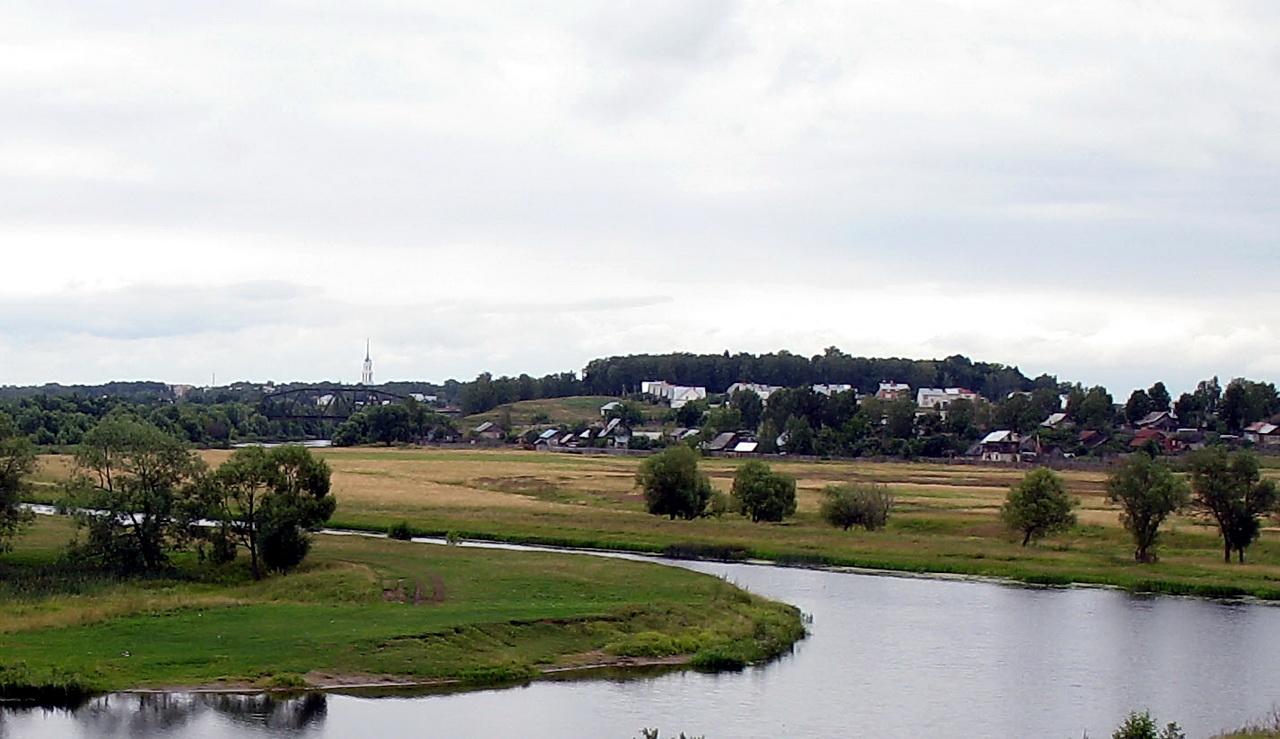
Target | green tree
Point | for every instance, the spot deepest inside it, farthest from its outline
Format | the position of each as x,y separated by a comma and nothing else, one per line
1143,726
1093,410
140,484
299,501
1039,506
1138,406
750,406
256,488
866,505
1229,490
1159,397
672,484
799,436
762,494
17,460
1147,492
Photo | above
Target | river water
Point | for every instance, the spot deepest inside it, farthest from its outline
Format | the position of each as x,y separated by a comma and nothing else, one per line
886,657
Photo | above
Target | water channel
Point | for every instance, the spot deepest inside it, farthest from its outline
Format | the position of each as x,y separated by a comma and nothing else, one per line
887,657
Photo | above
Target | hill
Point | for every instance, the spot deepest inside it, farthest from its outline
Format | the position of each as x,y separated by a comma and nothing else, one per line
553,411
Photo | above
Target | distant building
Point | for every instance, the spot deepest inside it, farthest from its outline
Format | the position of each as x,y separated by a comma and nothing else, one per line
1055,420
609,407
829,390
677,396
722,442
893,391
424,398
1263,434
764,391
488,430
933,398
366,374
1000,446
1160,420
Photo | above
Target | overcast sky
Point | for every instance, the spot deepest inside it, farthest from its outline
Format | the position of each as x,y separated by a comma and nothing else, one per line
1090,189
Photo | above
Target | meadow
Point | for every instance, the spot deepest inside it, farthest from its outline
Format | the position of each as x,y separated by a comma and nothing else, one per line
363,610
946,519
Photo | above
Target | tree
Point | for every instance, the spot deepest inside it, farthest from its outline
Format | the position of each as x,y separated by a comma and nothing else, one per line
799,436
1159,397
139,483
1093,410
1038,506
750,406
299,502
762,494
17,460
1138,407
1229,489
865,505
257,488
672,484
1147,492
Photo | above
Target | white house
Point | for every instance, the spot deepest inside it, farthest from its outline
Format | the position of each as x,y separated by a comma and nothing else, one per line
764,391
609,407
677,396
893,390
829,390
939,398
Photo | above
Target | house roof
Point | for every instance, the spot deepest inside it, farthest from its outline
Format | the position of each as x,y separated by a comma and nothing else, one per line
1154,417
486,426
747,447
612,405
1262,428
999,437
1053,420
549,434
721,441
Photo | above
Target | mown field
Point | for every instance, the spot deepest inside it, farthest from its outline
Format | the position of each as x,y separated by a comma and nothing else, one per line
571,410
946,520
362,610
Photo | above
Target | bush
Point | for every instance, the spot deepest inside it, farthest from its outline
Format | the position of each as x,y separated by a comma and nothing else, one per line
762,494
400,531
852,505
672,484
1143,726
283,544
1038,506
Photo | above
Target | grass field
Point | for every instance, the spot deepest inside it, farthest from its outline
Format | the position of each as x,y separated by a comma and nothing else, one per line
946,519
569,411
363,610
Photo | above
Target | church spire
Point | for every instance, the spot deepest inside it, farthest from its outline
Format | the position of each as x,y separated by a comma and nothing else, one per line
366,376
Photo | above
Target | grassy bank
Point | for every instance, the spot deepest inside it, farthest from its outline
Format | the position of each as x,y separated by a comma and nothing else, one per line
362,611
946,521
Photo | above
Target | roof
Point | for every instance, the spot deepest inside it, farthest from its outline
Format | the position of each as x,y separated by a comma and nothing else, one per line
549,434
999,437
746,447
1053,420
721,441
1153,417
1262,428
611,427
486,426
611,406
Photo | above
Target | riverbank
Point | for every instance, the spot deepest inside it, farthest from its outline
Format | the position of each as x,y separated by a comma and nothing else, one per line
364,611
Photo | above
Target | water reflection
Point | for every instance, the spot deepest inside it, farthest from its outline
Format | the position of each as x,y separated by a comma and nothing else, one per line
178,714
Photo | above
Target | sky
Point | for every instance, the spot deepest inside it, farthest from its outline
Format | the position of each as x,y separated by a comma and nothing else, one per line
250,189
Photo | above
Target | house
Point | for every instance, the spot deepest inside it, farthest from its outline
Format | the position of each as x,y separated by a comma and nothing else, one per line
1090,439
615,432
1165,442
764,391
550,437
829,390
1000,446
489,431
938,399
1159,420
610,407
568,439
677,396
424,398
1055,420
1263,434
746,447
723,442
893,391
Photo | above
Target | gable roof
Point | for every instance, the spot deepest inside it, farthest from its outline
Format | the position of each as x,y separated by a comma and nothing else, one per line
486,426
549,434
999,437
721,441
1154,417
747,447
1262,428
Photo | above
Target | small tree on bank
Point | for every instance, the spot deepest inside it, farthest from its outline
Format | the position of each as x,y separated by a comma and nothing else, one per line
672,484
865,505
1038,506
141,484
1147,492
278,494
1229,490
762,494
17,460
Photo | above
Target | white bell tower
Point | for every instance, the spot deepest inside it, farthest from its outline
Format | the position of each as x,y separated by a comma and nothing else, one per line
366,375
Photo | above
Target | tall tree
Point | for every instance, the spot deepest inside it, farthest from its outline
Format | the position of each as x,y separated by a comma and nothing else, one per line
1147,492
17,460
1138,407
1159,397
137,482
299,502
1229,490
672,484
750,406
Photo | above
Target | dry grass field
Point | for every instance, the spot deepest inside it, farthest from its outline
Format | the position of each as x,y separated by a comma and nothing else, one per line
946,519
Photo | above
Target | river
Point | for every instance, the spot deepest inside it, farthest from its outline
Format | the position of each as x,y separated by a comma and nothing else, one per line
886,657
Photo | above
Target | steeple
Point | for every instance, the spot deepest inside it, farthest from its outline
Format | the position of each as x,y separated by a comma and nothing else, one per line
366,376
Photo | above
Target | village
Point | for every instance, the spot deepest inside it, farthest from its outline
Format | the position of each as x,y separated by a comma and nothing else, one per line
664,413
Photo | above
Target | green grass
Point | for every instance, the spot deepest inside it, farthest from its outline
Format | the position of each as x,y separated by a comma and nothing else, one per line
571,410
361,609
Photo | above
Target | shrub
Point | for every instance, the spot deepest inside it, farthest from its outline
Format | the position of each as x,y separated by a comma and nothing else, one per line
1143,726
852,505
1038,506
400,531
672,484
762,494
283,544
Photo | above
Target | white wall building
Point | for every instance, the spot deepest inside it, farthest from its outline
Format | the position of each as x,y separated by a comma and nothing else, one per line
939,398
677,395
764,391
